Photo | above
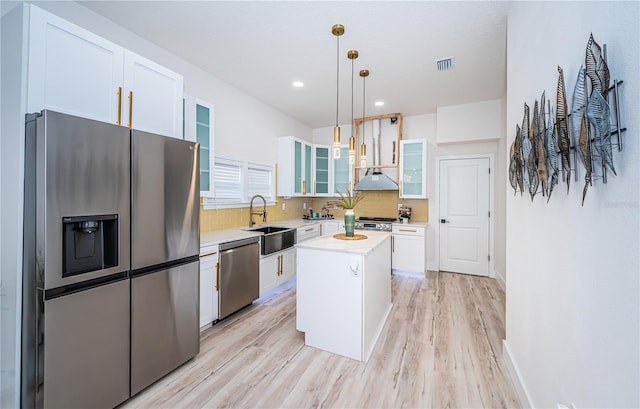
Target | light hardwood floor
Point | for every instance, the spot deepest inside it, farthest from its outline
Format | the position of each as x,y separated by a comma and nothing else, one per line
441,348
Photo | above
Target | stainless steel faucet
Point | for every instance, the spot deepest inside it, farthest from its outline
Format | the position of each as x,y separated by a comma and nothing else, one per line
263,213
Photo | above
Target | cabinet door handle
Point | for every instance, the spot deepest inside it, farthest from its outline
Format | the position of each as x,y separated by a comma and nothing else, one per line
304,187
281,263
119,106
130,109
409,230
309,229
217,276
393,244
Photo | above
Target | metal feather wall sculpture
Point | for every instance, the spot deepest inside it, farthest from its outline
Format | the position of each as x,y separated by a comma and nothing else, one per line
561,125
585,153
519,160
513,165
552,153
542,146
597,68
543,166
598,116
598,109
532,159
526,146
578,107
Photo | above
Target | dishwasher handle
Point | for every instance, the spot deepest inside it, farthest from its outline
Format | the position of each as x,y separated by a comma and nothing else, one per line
239,243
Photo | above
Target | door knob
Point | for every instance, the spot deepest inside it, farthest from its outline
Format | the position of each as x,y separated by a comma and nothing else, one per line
444,221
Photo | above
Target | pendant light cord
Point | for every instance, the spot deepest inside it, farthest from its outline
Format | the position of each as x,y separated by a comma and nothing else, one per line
337,76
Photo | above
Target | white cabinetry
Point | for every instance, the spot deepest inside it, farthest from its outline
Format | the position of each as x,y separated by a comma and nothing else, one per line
74,71
408,247
198,127
308,232
413,169
344,296
342,172
322,183
276,269
208,285
294,166
331,227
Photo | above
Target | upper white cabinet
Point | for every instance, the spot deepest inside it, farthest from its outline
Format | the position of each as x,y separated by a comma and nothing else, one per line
294,166
74,71
413,169
153,96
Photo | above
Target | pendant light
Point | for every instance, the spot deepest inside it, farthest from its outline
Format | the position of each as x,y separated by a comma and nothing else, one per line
363,148
352,55
337,30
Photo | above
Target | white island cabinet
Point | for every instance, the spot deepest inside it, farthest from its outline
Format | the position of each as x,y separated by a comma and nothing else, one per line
344,293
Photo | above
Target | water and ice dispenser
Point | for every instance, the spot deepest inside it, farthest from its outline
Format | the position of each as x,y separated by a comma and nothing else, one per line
90,243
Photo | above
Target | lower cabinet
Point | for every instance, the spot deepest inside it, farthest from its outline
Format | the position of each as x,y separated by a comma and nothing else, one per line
208,285
408,247
276,269
308,232
331,227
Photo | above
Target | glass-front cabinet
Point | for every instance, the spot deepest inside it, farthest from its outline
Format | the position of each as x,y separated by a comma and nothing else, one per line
321,170
198,127
342,172
294,167
413,169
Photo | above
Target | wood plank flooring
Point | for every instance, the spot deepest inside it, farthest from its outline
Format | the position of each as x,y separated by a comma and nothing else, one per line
441,348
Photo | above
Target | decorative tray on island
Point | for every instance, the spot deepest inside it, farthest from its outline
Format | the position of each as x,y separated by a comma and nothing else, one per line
342,236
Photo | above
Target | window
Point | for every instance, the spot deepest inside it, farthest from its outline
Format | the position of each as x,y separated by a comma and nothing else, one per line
236,182
227,181
260,181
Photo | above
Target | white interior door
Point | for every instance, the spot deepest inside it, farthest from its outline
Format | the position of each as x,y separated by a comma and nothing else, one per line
464,216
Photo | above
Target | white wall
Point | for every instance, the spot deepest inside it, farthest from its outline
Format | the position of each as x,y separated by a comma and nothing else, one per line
475,121
11,174
573,283
244,127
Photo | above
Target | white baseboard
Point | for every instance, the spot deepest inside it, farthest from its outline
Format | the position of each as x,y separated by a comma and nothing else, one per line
516,377
432,266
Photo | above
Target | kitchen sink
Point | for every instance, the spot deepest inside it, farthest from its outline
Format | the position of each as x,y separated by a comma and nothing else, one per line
270,229
275,238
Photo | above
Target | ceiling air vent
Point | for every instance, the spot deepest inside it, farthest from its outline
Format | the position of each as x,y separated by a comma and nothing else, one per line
444,64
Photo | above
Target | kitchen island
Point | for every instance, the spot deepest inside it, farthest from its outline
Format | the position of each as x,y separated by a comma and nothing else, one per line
344,292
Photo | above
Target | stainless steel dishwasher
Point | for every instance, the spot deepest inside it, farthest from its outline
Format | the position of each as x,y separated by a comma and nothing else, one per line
239,275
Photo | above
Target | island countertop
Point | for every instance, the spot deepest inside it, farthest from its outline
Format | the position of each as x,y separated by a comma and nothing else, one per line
330,243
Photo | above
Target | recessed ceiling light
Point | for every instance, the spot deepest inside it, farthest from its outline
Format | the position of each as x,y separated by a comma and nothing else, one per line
298,84
379,103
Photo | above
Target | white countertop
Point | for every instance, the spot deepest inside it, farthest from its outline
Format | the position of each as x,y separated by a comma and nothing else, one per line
239,233
411,224
225,236
329,243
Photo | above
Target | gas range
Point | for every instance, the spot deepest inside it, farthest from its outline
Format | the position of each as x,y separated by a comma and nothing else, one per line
374,223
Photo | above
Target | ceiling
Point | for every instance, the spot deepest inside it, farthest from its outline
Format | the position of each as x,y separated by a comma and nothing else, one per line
261,47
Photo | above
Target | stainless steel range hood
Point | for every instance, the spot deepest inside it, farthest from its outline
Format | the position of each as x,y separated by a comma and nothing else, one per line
374,178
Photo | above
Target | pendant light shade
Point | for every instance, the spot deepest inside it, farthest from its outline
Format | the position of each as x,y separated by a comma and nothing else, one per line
352,55
337,30
363,148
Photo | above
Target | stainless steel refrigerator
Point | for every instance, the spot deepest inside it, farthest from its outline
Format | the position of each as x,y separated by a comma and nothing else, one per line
106,294
165,243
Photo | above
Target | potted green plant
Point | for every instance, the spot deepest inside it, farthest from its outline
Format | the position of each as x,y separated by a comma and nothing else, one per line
404,213
348,202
